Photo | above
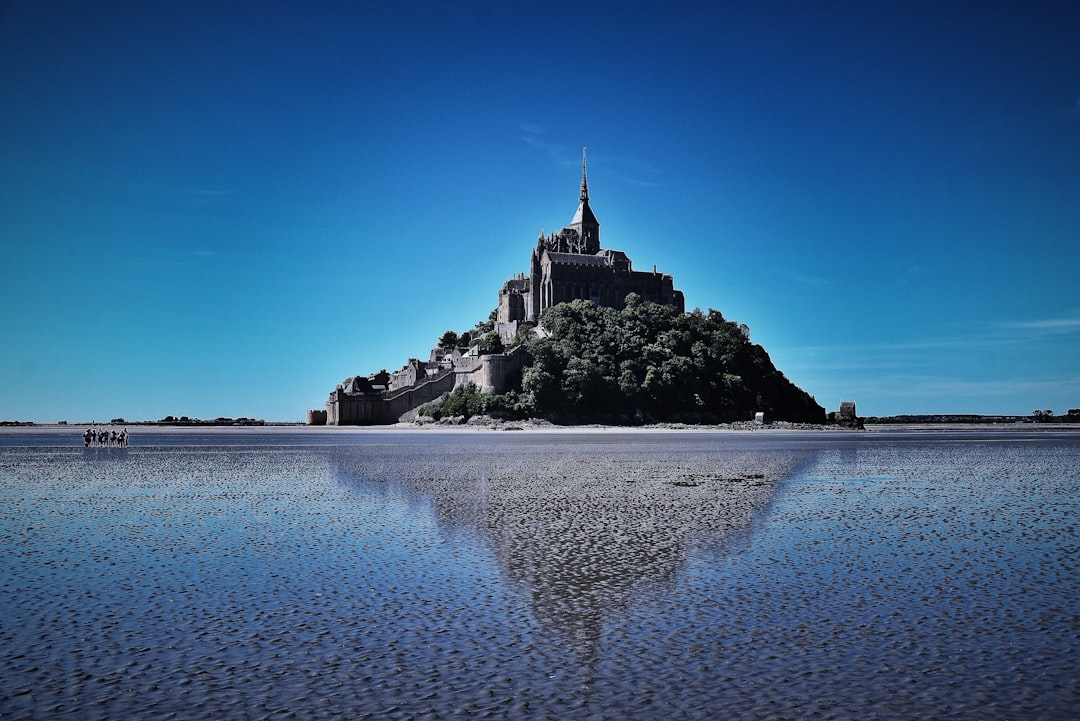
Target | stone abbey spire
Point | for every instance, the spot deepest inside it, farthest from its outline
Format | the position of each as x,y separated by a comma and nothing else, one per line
585,223
584,178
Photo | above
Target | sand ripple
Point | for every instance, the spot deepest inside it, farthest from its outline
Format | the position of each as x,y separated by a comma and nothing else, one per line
541,578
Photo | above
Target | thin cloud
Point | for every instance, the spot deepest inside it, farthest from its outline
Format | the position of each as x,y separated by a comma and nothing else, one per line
909,276
991,335
626,170
918,345
1054,325
933,386
532,135
639,182
532,129
911,353
816,282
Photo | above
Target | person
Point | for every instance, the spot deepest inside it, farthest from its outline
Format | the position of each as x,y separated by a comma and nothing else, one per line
86,438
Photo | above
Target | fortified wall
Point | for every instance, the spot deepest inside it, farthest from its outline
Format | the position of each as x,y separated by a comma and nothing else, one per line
359,401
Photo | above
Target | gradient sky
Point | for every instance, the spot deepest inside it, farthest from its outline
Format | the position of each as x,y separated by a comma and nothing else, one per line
214,209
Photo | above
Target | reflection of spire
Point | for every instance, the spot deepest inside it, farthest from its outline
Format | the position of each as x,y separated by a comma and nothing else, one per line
584,183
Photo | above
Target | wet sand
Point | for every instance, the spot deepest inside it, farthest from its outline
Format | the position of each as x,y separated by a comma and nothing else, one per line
524,575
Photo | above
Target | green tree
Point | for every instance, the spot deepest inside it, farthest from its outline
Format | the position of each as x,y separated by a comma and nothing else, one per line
488,343
448,340
649,360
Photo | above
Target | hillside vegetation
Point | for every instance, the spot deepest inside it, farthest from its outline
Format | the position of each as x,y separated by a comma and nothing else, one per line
644,363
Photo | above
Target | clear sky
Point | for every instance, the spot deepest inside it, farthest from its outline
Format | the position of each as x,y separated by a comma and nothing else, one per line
216,209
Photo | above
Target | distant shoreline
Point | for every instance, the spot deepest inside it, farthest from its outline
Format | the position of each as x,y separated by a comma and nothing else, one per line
950,420
777,429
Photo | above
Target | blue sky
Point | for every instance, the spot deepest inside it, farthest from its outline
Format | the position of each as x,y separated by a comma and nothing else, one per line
216,209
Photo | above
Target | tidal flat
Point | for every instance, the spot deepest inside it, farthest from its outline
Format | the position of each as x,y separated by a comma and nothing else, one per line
594,574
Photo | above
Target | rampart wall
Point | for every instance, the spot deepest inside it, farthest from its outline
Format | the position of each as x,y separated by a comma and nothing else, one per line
490,373
372,409
493,373
404,400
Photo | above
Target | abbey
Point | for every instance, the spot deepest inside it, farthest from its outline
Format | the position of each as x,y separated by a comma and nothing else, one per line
571,265
565,266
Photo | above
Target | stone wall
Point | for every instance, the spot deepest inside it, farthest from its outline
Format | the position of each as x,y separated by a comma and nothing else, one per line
401,402
364,409
503,372
495,373
490,373
371,409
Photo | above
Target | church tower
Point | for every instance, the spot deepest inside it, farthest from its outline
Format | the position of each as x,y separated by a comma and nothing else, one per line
585,223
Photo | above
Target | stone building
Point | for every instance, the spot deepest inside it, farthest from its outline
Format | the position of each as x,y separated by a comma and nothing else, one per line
571,265
565,266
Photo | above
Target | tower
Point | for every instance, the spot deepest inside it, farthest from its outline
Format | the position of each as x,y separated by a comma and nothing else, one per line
585,223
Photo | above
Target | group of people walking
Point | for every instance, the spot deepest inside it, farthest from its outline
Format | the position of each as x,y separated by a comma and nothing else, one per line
105,437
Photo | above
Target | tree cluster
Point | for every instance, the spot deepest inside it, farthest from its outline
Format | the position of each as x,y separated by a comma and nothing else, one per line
644,363
649,362
482,335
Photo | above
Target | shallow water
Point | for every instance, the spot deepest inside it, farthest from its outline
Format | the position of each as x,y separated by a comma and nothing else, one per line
263,574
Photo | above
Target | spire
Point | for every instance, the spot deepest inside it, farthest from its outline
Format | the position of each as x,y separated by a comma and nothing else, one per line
584,182
585,222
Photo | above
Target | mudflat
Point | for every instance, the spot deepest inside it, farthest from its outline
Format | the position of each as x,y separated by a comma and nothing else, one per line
586,574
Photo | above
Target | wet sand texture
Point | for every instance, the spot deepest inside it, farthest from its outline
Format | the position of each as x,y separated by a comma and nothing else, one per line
541,578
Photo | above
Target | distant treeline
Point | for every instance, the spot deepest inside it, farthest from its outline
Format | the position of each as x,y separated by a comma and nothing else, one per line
166,421
645,363
1073,416
185,421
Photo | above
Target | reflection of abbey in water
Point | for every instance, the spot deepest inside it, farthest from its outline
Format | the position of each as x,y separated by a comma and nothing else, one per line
582,534
565,266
